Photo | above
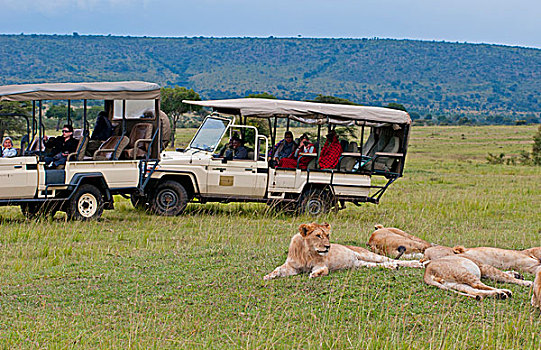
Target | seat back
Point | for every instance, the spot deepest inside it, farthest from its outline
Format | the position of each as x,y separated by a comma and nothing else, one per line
77,134
386,163
107,149
138,132
368,147
344,144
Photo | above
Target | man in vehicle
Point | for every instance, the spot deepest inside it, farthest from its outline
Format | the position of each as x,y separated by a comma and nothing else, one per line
331,151
237,150
60,147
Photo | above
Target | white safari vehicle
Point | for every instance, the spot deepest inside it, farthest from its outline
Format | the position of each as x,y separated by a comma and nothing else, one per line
85,185
199,173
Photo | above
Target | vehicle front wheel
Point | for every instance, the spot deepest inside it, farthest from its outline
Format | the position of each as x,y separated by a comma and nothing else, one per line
86,204
315,202
170,198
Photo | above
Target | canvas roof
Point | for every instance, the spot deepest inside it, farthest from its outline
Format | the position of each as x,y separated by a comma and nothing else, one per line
307,112
120,90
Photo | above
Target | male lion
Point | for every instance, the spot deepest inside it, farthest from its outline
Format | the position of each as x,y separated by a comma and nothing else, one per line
395,243
527,260
310,251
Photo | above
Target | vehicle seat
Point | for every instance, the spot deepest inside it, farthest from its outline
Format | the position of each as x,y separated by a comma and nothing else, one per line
344,144
107,149
77,134
79,153
368,147
348,163
140,138
386,163
34,146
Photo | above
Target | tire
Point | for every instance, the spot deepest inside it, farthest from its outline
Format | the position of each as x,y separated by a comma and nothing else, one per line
139,202
37,210
170,199
86,204
315,202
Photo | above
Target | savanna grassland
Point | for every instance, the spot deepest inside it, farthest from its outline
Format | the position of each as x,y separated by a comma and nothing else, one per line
134,280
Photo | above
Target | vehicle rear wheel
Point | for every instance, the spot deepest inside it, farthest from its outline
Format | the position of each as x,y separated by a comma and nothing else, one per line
315,202
170,199
86,204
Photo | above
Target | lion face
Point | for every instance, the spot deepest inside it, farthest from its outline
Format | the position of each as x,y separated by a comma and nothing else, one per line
316,237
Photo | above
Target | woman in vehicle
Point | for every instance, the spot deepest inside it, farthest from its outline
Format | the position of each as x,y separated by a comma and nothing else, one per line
285,148
305,147
7,148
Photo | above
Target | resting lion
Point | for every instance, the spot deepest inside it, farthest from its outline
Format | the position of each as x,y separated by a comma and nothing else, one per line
311,251
527,260
395,243
450,272
536,297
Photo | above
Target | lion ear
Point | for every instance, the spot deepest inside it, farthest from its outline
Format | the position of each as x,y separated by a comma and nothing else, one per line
327,225
305,229
378,227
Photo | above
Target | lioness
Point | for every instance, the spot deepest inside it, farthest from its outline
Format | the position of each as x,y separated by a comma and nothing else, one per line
536,297
395,243
462,276
487,271
311,251
528,260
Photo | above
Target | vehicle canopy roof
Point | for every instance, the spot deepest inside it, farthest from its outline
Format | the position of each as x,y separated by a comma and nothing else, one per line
119,90
307,112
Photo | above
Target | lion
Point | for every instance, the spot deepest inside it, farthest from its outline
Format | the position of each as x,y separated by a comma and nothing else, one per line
396,243
310,251
527,260
462,276
486,271
536,297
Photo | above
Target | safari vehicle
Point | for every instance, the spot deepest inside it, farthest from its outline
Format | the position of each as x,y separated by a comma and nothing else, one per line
198,173
85,186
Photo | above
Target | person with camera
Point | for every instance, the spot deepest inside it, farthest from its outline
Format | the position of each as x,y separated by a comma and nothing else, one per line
305,146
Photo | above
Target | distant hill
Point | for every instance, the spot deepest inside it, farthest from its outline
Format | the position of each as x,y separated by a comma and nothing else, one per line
425,76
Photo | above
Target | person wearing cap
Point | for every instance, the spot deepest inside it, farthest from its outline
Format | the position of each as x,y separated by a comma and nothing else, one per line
60,147
7,148
331,151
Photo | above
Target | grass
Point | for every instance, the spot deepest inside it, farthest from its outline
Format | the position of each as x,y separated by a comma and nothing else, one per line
135,280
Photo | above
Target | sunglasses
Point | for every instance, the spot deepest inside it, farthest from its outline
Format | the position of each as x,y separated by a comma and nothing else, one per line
66,131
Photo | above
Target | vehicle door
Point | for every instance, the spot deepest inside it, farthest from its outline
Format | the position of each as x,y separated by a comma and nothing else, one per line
18,177
242,178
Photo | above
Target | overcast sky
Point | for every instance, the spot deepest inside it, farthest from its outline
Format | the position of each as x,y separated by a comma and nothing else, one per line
509,22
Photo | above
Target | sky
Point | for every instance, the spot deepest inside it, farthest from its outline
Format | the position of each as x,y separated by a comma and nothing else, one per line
507,22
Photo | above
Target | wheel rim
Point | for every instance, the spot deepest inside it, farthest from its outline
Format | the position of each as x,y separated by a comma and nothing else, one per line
87,205
167,199
314,206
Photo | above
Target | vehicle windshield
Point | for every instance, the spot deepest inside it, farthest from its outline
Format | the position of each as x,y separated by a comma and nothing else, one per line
209,134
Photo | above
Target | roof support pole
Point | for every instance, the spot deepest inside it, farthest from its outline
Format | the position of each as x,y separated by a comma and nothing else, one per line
362,139
287,127
69,111
318,145
274,133
84,115
41,131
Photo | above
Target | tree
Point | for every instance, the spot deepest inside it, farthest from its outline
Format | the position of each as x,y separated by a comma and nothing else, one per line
11,117
332,99
394,105
171,104
536,148
262,95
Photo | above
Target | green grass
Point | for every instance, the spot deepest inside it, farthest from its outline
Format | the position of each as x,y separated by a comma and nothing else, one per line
135,280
